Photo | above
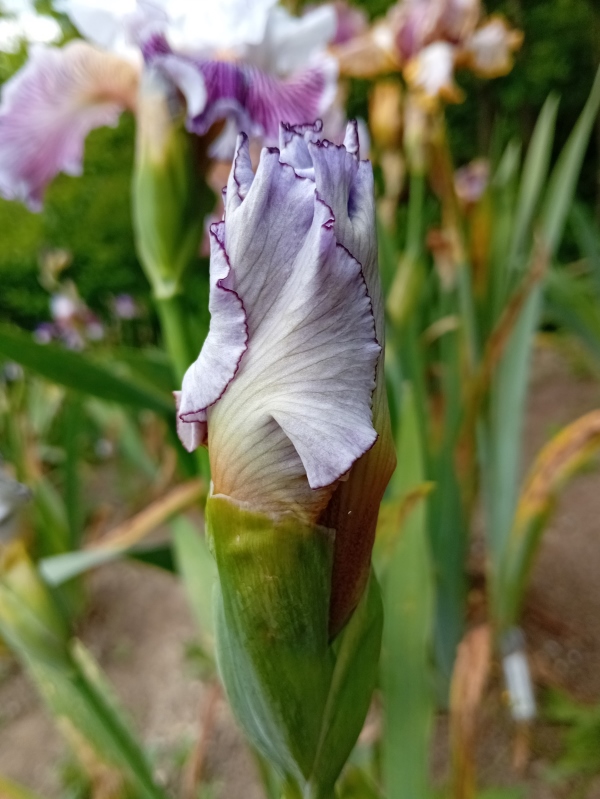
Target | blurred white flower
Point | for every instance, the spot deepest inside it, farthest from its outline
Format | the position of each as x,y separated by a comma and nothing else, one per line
489,51
208,25
430,74
28,27
429,39
199,27
64,308
289,43
12,371
16,6
103,22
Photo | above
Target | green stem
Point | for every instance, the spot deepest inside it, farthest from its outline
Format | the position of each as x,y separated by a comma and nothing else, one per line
467,313
408,341
175,334
291,790
414,232
72,477
179,347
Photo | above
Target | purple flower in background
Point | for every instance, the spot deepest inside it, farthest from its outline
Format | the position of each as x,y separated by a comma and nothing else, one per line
471,181
125,307
45,333
50,106
288,388
74,323
428,40
253,65
351,22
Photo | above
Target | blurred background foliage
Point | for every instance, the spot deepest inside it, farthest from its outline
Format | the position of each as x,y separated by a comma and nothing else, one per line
91,217
66,433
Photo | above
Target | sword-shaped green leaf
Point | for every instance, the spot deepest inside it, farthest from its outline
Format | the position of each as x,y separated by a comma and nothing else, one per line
77,371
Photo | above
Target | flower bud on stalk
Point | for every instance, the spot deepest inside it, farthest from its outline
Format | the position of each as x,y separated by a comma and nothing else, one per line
169,195
289,394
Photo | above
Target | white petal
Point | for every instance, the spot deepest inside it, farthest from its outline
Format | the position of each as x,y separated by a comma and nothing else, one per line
215,24
291,43
208,377
100,21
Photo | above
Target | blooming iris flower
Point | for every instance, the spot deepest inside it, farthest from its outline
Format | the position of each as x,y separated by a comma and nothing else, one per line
253,69
288,389
428,40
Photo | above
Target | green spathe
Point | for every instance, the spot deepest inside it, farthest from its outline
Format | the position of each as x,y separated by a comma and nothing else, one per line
170,196
300,698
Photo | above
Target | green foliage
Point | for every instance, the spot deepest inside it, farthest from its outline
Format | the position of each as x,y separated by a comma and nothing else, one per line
91,217
559,54
198,572
65,674
408,596
581,754
81,373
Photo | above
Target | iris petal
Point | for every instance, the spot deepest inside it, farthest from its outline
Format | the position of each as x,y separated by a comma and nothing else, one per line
50,106
294,414
256,101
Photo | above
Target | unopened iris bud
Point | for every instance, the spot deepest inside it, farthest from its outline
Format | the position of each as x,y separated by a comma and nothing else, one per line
169,196
288,392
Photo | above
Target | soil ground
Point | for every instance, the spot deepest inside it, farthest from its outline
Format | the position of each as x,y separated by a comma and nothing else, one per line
139,628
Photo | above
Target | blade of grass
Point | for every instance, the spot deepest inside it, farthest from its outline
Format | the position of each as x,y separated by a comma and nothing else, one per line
557,462
502,449
59,569
69,681
79,372
72,421
570,303
407,638
198,571
12,790
535,171
587,234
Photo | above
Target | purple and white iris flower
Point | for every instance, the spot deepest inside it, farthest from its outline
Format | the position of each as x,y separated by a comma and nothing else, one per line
251,64
288,390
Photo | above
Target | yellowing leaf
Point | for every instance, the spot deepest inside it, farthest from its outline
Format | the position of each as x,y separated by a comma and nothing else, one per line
558,461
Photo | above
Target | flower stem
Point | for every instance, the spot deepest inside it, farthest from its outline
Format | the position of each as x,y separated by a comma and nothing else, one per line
291,790
179,347
175,333
414,233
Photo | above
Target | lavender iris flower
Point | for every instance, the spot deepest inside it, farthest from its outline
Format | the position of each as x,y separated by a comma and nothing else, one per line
271,67
288,390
